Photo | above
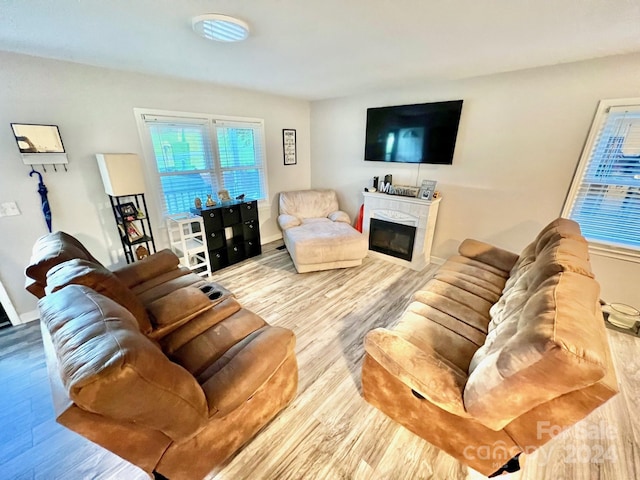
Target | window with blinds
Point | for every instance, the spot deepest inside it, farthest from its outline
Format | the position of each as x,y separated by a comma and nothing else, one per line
196,157
605,194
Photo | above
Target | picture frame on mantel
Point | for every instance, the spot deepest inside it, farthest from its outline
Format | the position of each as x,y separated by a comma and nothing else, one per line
289,146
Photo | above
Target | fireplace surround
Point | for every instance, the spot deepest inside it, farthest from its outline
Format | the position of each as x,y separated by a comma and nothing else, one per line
389,221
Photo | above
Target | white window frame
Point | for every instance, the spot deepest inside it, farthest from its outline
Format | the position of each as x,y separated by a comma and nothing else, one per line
156,195
600,118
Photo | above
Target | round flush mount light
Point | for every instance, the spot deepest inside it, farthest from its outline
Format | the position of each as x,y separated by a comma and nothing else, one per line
221,28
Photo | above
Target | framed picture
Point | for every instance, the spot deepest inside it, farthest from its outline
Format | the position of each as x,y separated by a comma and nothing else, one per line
427,189
128,211
289,146
133,232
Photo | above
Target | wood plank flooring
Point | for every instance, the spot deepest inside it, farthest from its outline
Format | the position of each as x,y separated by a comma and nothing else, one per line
329,431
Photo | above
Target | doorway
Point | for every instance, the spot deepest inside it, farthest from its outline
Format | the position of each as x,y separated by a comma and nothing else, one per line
4,318
8,314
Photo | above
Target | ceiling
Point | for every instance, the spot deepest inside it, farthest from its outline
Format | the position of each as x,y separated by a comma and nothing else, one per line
316,49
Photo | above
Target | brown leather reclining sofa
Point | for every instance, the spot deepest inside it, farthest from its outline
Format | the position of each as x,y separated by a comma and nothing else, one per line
154,363
498,352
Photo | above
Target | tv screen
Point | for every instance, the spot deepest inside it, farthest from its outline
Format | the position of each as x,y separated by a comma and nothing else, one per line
420,133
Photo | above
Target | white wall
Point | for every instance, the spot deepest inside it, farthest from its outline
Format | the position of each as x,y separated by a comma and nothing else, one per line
519,141
94,109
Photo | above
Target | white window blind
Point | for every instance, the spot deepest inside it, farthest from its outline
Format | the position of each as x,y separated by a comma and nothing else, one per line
240,150
196,157
605,195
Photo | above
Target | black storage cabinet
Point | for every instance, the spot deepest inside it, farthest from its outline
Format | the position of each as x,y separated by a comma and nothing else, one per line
232,231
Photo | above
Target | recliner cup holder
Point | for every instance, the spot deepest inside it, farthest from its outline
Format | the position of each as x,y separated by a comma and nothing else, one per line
417,394
211,292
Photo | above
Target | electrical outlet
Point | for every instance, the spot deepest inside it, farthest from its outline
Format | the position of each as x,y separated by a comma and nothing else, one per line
8,209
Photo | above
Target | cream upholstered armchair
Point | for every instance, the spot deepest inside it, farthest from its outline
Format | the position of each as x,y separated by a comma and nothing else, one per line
317,234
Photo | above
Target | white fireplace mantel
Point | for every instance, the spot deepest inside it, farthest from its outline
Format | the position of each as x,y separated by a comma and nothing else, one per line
412,211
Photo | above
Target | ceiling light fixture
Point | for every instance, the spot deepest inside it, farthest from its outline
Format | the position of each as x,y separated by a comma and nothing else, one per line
221,28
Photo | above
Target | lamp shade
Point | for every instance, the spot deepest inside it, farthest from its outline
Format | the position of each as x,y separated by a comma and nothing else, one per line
121,173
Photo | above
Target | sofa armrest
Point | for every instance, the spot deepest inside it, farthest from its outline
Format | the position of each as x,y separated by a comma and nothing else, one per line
425,372
178,307
486,253
339,216
139,272
287,221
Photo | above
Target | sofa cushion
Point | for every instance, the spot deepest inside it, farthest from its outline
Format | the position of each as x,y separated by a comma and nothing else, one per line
162,262
52,249
478,287
198,325
110,368
420,368
459,264
98,278
456,302
235,376
150,295
423,326
559,255
558,228
160,279
434,316
308,203
197,354
556,345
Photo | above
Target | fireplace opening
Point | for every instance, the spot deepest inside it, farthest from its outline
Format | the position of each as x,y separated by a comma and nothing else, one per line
393,239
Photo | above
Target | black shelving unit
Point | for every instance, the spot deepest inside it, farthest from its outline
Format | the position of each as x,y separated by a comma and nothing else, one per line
135,229
232,231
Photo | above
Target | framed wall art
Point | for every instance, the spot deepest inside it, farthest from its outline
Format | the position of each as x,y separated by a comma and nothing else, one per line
289,146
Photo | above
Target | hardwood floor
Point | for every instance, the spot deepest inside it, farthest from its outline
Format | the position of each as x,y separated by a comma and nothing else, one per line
329,431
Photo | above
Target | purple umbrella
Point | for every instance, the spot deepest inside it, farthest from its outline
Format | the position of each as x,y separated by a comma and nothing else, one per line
42,190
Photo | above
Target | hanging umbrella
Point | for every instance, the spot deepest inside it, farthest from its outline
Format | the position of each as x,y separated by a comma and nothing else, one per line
42,190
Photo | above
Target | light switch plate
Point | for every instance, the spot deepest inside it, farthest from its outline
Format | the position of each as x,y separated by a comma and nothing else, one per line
9,209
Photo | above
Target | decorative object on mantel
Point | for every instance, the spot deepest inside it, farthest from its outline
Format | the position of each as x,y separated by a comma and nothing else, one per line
42,190
425,192
427,189
289,146
123,181
40,145
402,190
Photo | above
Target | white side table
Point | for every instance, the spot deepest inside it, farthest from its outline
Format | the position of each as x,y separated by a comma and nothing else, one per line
188,242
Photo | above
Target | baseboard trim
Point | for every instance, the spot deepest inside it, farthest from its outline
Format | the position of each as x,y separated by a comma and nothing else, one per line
31,316
437,260
271,238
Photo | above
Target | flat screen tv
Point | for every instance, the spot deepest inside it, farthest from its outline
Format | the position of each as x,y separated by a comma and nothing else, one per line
419,133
